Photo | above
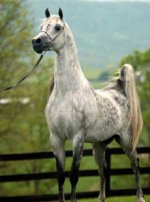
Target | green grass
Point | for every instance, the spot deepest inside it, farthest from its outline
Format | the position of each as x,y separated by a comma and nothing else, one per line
117,199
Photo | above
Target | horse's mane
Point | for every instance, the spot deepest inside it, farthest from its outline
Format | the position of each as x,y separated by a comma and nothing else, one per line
115,83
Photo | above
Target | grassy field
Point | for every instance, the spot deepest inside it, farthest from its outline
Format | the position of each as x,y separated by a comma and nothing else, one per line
118,199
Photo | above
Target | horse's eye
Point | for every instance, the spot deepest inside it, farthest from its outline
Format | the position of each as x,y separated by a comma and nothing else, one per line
57,28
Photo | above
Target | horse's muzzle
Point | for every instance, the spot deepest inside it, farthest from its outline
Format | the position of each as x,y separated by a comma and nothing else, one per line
37,45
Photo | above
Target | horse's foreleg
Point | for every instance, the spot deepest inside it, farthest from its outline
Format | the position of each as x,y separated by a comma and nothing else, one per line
60,179
135,167
59,153
77,154
99,154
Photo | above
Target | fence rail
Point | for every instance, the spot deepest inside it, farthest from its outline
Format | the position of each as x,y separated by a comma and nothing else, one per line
82,173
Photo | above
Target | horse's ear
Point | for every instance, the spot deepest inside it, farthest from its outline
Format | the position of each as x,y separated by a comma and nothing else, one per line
60,13
47,13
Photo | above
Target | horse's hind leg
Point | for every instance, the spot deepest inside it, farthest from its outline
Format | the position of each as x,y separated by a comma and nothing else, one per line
136,170
99,154
135,166
77,154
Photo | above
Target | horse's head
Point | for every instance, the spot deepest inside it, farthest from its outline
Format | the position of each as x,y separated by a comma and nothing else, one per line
52,35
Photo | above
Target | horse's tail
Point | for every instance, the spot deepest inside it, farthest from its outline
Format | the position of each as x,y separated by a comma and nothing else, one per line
127,76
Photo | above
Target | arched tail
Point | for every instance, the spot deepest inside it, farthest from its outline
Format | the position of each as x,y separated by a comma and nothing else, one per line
127,76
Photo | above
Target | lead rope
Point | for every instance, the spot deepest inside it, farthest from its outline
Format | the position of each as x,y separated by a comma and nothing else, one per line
27,75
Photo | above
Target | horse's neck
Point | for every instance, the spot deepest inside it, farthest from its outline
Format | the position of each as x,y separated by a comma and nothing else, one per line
68,75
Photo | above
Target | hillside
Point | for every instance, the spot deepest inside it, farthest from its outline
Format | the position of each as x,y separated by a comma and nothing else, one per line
104,32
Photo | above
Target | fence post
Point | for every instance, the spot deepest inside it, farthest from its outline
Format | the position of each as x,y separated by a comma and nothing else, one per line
108,163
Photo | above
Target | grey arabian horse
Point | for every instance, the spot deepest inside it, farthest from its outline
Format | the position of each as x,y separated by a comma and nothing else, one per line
77,112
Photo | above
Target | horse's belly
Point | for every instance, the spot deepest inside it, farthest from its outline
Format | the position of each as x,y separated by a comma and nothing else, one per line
99,134
103,128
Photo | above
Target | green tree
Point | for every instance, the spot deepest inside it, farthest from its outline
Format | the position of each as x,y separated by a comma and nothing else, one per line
22,122
141,63
15,36
15,57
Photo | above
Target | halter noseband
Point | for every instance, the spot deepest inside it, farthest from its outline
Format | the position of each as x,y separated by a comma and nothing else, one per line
56,35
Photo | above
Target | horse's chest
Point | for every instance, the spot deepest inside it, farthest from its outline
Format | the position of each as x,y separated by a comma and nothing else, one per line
63,118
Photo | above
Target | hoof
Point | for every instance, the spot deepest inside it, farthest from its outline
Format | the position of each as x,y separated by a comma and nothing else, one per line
61,200
102,200
141,199
73,200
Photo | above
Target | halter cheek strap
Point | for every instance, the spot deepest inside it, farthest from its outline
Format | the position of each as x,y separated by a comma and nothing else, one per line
56,35
47,35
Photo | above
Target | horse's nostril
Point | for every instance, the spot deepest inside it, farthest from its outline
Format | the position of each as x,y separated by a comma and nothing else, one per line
38,41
